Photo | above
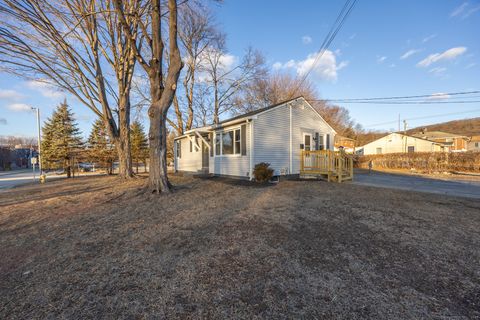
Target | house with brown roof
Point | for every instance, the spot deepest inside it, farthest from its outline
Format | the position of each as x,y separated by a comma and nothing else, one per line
455,142
473,143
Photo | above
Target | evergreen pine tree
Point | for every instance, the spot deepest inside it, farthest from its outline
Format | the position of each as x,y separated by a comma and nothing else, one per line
61,139
100,149
139,143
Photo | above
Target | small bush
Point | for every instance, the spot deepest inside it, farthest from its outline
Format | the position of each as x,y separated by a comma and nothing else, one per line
262,172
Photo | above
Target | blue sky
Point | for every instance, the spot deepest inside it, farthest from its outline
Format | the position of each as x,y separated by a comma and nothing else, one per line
386,48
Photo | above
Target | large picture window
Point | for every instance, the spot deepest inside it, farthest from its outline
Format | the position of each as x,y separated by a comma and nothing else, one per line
228,142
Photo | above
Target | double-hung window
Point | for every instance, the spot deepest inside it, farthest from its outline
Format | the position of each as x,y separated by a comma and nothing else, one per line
228,142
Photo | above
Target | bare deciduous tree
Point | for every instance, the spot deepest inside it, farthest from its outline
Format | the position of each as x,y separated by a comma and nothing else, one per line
273,89
149,50
225,78
280,87
78,46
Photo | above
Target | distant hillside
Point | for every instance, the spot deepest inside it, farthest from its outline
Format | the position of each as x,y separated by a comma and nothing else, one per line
467,127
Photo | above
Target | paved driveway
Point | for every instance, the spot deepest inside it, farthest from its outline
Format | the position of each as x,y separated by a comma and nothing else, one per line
470,189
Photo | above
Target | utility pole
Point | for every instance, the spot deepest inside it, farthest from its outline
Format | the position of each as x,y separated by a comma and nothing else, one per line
405,134
39,139
399,122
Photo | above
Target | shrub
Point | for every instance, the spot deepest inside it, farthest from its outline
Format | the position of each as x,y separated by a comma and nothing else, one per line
262,172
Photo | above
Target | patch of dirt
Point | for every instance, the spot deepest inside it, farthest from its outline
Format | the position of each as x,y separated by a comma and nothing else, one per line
217,248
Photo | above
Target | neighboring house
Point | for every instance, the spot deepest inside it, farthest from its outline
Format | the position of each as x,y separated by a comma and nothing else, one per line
473,143
22,156
397,143
6,156
15,157
455,142
275,134
344,143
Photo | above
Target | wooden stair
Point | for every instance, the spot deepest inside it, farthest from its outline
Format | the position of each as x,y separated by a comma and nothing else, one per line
326,164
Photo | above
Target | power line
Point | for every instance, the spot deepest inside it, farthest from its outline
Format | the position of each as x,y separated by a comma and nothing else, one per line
411,102
423,117
431,96
342,16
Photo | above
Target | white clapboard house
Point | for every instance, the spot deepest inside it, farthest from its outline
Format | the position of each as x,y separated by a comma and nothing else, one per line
400,143
276,134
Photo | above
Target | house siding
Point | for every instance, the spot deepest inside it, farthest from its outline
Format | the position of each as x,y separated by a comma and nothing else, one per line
395,143
189,161
307,120
272,135
474,144
271,138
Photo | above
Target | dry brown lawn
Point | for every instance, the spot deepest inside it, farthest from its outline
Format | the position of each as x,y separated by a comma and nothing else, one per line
215,248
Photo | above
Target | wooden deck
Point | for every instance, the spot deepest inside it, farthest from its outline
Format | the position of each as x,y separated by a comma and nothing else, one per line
334,166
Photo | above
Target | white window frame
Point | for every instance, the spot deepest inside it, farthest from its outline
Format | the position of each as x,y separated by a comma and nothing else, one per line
220,133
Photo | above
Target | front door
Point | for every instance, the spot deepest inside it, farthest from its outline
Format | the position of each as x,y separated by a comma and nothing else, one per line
205,155
307,141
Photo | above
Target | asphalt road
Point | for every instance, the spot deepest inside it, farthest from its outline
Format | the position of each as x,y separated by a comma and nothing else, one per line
469,189
10,179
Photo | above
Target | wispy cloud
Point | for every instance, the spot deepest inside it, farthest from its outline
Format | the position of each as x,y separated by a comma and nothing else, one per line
307,39
10,94
45,89
352,36
381,59
343,64
464,10
326,67
438,72
458,10
3,121
409,53
446,55
19,107
430,37
471,65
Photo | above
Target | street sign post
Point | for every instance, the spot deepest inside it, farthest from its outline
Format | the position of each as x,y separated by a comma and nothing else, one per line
34,161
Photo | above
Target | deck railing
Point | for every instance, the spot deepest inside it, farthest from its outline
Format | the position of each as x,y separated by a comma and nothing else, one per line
335,165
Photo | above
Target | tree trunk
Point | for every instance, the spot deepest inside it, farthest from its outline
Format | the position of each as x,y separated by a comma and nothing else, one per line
121,137
158,179
125,170
68,168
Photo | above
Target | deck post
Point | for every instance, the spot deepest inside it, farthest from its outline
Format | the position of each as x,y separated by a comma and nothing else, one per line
301,162
340,171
